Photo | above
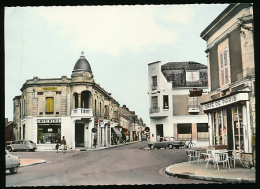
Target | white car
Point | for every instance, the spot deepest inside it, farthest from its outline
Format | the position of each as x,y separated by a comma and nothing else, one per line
12,162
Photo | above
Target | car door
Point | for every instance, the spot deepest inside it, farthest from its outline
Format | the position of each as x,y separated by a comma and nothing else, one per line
8,161
17,145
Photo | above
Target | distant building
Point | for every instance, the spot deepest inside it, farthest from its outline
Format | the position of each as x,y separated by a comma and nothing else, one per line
172,112
231,65
51,108
9,131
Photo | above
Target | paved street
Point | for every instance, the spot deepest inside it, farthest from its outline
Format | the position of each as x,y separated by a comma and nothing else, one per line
123,165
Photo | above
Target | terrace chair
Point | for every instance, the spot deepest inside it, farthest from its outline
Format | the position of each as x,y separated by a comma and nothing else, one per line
220,157
191,155
236,155
208,157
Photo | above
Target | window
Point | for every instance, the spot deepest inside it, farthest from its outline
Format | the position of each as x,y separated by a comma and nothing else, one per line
154,82
165,102
193,102
76,100
49,105
48,134
224,70
154,108
39,93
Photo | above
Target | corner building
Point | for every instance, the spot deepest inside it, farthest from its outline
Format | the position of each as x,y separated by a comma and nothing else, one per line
231,68
51,108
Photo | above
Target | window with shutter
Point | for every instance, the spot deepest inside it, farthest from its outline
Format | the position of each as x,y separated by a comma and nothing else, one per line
49,104
224,67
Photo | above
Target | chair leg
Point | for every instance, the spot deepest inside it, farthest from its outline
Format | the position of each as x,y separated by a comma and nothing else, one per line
241,162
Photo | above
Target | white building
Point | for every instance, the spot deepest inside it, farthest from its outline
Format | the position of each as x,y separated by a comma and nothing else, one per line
172,112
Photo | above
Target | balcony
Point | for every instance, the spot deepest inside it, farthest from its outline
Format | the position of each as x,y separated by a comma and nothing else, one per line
82,112
154,110
154,87
194,109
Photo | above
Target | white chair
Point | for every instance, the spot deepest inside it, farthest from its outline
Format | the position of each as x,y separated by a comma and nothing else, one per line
208,157
220,157
236,155
191,155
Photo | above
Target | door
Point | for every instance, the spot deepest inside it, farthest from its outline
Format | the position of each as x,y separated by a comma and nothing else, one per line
229,130
159,131
79,134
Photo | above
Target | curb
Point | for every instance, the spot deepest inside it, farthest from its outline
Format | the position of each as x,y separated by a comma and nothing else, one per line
207,178
38,162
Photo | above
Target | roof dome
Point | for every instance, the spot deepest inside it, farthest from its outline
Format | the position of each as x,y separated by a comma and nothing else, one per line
82,65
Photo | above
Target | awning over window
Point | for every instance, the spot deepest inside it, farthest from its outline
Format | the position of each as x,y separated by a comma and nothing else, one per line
118,133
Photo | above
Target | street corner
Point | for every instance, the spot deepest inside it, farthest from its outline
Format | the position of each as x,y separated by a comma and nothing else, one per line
28,162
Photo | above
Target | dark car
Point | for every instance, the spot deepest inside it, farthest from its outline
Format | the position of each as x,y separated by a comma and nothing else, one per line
166,142
22,145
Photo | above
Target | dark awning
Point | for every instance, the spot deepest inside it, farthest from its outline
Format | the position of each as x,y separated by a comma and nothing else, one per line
118,133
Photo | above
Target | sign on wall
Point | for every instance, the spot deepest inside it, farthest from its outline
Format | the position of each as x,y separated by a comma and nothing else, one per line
49,89
48,120
226,101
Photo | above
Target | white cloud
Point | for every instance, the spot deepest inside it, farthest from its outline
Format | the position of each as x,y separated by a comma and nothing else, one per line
109,29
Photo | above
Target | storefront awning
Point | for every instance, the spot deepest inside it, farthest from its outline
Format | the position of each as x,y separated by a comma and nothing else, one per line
118,133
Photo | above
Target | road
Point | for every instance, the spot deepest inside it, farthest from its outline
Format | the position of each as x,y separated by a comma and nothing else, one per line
123,165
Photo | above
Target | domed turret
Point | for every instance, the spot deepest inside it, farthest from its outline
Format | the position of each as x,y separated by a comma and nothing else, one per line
82,65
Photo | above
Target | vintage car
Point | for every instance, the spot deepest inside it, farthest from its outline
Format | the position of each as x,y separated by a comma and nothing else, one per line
22,145
166,142
12,162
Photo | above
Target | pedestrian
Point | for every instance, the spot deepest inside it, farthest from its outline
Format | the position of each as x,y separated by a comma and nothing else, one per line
63,144
57,145
95,142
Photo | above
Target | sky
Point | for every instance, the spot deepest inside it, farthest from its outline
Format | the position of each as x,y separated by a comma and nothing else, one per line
118,41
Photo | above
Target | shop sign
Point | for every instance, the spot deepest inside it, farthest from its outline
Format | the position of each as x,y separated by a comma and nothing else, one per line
48,120
225,101
49,89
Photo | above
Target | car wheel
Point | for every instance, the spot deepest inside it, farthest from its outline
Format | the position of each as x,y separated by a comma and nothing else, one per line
170,146
14,170
152,146
27,150
9,149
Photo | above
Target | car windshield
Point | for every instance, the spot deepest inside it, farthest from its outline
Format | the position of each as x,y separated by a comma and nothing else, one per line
31,141
172,139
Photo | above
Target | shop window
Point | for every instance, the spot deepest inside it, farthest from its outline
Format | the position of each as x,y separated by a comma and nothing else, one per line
49,105
238,127
184,131
154,82
48,134
165,102
202,131
224,67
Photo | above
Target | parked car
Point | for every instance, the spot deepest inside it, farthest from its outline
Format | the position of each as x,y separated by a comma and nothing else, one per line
12,162
165,142
22,145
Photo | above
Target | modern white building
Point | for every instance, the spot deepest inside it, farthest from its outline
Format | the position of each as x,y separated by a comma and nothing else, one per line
172,112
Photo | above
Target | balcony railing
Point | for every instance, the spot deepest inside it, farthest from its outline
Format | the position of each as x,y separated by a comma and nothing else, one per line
82,112
194,108
154,110
154,87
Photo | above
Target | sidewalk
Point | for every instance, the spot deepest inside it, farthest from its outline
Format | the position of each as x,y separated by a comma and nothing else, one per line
198,171
28,162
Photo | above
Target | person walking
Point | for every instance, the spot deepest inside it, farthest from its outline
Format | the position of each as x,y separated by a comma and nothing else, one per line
57,145
63,144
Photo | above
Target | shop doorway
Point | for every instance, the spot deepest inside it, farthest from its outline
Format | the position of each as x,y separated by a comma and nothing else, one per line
229,130
159,131
79,134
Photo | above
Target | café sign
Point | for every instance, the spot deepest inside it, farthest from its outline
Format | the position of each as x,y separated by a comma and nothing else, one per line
226,101
48,120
